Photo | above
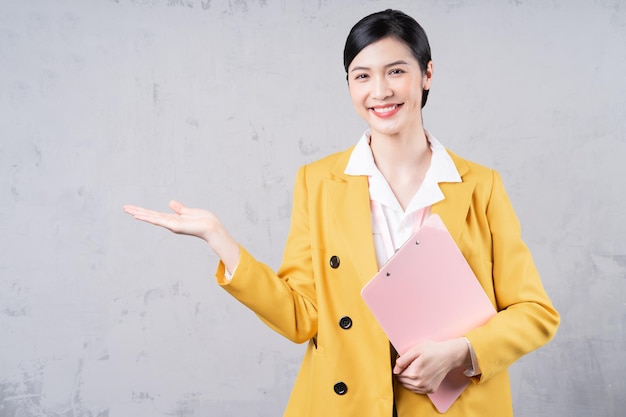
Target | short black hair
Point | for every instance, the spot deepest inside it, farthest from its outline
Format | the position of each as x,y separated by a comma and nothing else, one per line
385,24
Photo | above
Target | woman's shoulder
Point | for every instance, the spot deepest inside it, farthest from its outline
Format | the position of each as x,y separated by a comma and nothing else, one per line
333,163
468,168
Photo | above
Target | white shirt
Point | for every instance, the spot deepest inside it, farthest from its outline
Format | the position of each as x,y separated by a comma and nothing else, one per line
401,222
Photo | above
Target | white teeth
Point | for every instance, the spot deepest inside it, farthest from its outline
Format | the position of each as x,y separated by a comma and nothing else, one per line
384,109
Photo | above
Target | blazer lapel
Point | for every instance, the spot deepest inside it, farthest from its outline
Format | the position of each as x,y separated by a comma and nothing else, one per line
458,197
349,207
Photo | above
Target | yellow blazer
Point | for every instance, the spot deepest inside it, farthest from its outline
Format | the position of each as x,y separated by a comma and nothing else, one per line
315,295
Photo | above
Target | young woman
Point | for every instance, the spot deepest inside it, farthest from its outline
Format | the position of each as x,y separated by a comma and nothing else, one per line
351,210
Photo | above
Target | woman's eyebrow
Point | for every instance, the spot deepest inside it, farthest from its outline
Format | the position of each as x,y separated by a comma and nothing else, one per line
394,63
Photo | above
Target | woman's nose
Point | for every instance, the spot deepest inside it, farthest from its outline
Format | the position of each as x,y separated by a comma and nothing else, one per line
381,89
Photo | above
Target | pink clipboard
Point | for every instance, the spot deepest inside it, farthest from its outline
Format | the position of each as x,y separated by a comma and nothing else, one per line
427,291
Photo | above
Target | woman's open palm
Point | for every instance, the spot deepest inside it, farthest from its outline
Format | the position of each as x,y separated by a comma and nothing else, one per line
184,220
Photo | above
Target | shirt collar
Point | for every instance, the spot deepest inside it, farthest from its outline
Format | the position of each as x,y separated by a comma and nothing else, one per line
361,160
442,169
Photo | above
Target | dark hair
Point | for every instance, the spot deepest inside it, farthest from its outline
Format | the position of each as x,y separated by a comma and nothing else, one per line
389,23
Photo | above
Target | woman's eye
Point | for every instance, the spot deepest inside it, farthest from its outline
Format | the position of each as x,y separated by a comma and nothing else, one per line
395,71
360,77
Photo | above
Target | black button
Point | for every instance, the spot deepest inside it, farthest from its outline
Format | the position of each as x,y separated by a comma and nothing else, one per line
340,388
345,322
334,262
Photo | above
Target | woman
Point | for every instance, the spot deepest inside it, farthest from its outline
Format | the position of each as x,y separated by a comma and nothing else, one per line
351,211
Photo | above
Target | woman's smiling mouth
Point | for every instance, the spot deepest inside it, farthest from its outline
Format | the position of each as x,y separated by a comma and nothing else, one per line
386,111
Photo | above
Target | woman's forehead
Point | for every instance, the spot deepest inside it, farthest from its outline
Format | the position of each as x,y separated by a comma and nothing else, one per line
383,52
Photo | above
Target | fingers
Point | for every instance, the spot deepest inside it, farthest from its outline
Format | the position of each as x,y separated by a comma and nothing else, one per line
142,212
418,380
177,207
418,369
398,368
139,211
148,216
133,210
402,362
417,387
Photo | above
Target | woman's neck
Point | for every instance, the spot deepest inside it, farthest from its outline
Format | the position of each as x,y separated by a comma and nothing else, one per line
403,160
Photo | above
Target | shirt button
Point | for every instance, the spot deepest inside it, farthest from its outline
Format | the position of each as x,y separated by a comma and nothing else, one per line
340,388
345,322
334,262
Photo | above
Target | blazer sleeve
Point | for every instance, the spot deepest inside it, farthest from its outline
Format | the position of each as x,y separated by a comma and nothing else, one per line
285,301
526,318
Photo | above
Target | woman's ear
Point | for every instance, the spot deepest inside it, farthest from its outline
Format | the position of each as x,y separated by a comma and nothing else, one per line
428,76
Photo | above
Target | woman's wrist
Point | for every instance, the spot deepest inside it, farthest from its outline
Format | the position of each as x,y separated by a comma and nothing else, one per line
462,357
223,244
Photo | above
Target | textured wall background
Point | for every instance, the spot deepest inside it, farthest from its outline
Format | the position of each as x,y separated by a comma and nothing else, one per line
216,103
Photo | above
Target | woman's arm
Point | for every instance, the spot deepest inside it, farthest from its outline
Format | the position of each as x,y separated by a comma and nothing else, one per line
285,301
526,318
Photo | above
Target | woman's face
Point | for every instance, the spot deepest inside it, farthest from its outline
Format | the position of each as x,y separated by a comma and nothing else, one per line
386,84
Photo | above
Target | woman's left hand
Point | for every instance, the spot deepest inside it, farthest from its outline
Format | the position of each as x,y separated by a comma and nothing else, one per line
422,368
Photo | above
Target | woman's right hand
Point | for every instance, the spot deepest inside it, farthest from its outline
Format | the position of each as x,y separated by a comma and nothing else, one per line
186,221
193,222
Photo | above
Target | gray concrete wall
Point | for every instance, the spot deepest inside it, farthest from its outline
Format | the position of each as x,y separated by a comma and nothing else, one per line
216,103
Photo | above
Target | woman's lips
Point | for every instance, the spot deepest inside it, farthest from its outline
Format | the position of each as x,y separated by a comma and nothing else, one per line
386,110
